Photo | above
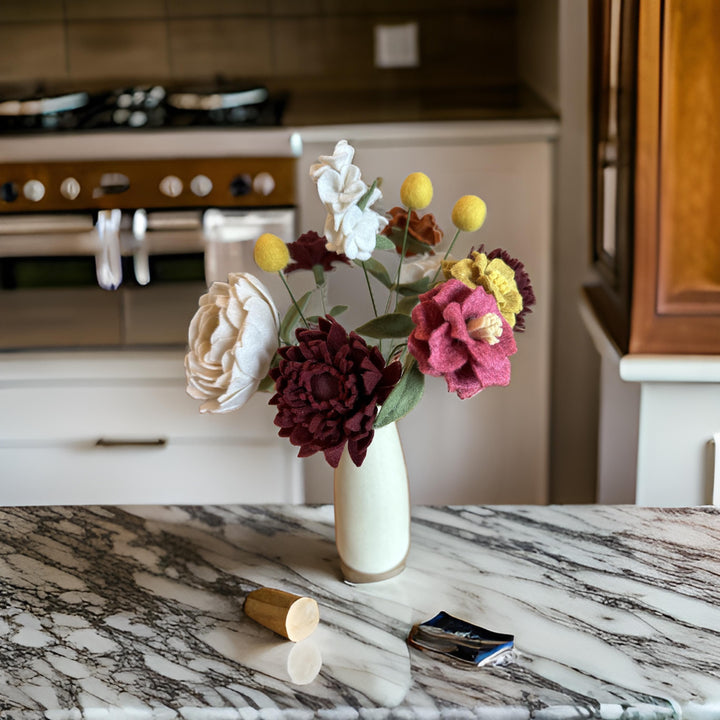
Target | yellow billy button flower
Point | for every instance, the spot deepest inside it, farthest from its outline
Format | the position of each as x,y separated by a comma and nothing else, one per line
271,253
469,213
416,192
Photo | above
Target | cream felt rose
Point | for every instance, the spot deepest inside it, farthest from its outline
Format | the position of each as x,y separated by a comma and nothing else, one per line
233,337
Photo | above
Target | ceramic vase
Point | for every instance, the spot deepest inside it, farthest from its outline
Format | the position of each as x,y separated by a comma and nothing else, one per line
372,510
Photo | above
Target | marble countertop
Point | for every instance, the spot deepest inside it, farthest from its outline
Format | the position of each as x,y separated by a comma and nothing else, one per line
137,612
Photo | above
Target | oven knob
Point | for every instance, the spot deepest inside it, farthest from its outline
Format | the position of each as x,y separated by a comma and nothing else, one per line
9,192
70,188
264,183
171,186
240,185
201,185
34,190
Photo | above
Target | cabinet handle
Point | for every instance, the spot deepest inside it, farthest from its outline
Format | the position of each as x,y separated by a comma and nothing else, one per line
118,442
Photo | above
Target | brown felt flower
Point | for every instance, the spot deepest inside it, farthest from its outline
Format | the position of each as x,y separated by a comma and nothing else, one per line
309,250
423,228
328,389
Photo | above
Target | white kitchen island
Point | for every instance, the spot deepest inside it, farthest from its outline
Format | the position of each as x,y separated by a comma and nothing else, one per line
659,436
136,612
117,426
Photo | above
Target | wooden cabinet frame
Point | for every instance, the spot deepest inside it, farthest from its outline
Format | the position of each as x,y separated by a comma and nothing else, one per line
613,68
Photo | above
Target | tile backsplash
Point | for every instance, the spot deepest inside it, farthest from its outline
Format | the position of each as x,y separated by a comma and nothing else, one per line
285,44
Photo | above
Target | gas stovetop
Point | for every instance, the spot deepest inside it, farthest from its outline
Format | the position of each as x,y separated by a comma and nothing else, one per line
140,107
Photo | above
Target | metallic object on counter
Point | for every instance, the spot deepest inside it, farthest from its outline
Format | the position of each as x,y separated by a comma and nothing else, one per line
462,641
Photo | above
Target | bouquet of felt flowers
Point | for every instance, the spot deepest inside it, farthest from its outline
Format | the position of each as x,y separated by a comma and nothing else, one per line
431,315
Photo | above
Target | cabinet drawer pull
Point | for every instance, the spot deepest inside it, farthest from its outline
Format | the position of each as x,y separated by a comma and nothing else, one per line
119,442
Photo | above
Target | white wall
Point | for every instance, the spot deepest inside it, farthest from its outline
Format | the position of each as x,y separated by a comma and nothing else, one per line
553,60
538,27
492,448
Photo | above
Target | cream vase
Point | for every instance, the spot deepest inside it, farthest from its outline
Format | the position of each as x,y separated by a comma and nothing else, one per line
372,510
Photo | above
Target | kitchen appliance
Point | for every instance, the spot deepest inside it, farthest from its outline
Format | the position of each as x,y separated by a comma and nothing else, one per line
33,110
118,209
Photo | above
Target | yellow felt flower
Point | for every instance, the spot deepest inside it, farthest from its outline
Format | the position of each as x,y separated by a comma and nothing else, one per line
271,253
469,213
416,192
495,276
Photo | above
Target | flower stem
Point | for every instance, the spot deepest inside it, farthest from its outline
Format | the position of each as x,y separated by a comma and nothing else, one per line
320,284
445,257
292,297
399,267
319,275
369,287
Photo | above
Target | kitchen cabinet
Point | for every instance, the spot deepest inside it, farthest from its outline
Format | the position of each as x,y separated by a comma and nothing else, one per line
655,313
659,425
655,223
462,451
154,444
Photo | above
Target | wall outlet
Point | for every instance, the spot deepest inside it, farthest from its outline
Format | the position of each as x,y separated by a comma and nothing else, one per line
396,45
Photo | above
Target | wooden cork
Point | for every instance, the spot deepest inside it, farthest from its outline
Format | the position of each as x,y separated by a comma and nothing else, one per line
292,616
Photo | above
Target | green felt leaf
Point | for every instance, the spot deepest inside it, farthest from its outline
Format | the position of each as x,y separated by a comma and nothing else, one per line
406,304
376,269
337,310
420,286
412,245
384,243
363,201
392,325
292,318
404,396
267,384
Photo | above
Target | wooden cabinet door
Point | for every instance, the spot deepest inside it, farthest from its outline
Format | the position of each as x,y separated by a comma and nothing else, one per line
676,288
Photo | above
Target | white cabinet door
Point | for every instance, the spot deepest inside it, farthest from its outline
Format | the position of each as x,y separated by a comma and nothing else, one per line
118,428
492,448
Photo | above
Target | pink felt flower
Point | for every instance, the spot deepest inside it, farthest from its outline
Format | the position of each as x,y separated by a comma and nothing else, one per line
461,335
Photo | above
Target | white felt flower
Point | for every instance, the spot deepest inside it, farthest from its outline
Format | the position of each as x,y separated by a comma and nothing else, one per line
425,266
349,229
232,337
356,234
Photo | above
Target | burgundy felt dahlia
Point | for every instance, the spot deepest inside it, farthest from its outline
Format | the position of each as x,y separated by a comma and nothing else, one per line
309,250
329,387
461,335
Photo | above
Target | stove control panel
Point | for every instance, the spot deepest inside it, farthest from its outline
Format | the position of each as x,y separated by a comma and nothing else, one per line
159,183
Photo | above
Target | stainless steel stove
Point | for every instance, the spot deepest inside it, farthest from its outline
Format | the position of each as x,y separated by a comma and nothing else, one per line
24,110
117,209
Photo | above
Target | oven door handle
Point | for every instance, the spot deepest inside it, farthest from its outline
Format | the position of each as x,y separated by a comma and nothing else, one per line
108,263
141,263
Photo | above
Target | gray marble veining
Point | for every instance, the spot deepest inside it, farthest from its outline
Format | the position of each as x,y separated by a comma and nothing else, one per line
137,612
